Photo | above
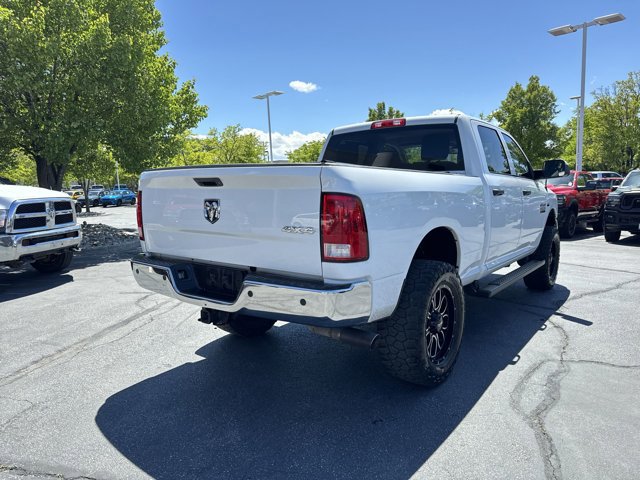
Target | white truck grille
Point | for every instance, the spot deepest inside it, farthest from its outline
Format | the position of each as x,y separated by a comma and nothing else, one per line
42,214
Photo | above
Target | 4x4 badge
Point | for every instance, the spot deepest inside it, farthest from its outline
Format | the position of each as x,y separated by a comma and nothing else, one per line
212,210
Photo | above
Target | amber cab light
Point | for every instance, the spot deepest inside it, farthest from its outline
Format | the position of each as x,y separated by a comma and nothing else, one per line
344,229
139,215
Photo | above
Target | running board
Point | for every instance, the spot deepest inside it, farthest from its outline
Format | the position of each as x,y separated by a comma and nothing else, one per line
499,284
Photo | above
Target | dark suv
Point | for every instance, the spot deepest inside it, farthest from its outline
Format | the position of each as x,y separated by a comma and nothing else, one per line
622,208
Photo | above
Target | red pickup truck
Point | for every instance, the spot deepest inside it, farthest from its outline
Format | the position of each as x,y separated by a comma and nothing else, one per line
581,199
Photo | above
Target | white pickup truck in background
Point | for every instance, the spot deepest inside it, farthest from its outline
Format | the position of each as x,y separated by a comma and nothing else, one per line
385,229
37,226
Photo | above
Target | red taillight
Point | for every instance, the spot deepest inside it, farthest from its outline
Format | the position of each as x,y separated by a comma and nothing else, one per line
139,215
344,229
394,122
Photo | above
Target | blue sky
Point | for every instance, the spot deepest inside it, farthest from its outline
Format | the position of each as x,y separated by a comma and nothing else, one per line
417,56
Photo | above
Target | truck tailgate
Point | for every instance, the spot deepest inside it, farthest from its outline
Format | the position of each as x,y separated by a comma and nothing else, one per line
255,204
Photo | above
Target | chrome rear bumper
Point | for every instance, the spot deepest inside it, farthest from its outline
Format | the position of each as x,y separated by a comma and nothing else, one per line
272,297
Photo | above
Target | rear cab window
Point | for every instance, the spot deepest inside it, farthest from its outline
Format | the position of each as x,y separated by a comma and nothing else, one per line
430,148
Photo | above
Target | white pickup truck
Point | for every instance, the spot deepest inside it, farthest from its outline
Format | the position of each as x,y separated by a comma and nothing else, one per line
37,226
384,230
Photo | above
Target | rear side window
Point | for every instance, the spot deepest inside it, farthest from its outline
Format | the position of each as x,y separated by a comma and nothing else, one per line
431,148
520,161
497,161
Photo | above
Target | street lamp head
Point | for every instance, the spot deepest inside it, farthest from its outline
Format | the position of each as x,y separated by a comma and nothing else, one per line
562,30
611,18
268,94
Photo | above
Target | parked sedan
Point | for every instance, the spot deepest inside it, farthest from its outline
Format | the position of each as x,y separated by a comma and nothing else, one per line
118,197
94,198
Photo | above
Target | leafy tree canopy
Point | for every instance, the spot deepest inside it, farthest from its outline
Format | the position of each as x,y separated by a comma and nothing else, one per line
18,167
614,133
380,112
233,146
528,113
307,152
78,73
611,128
228,146
93,166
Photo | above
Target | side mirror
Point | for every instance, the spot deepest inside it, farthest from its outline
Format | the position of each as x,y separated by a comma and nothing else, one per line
552,169
555,168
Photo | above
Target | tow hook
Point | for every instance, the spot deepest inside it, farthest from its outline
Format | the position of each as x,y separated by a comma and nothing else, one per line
215,317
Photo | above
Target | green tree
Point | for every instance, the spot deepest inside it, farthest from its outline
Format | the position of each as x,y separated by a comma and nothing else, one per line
94,165
615,124
611,128
232,146
380,112
194,150
77,73
307,152
18,168
528,114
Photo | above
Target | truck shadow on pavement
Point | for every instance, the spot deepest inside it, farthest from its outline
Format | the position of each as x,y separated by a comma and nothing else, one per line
24,281
294,405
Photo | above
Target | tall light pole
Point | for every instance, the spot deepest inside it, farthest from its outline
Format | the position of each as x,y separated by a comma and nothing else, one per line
262,97
612,18
577,98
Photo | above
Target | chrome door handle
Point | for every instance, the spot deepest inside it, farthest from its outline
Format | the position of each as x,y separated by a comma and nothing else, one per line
497,192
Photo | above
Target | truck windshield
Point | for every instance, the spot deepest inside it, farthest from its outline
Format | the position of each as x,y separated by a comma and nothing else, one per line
632,180
431,148
558,181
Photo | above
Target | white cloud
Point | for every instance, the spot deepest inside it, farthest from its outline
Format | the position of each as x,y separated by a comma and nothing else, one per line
303,87
445,111
284,143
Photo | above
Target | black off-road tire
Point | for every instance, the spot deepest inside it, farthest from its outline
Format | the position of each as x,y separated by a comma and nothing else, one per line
246,325
118,203
544,278
133,201
568,227
54,262
407,335
612,236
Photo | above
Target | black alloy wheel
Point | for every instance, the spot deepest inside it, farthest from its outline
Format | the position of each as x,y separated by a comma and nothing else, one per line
568,228
438,331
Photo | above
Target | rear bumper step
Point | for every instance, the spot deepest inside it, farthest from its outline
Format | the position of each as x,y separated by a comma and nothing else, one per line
325,305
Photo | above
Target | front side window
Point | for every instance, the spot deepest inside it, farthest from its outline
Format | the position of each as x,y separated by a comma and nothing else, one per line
520,161
632,180
582,181
494,153
431,148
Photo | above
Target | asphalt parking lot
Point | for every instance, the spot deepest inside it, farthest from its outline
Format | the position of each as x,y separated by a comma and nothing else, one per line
101,379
